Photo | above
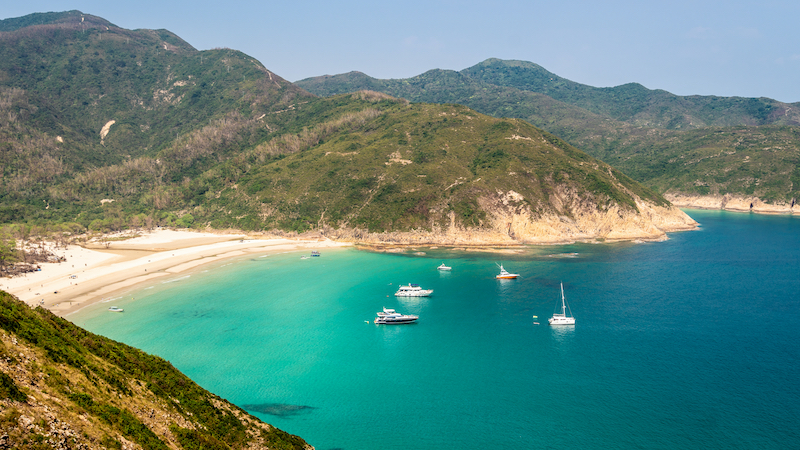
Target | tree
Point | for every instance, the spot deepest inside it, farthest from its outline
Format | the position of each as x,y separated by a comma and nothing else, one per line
8,251
185,222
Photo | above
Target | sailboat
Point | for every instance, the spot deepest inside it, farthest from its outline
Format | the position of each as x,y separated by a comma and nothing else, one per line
562,318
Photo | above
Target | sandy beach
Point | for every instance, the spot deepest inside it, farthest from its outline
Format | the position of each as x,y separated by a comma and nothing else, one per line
93,271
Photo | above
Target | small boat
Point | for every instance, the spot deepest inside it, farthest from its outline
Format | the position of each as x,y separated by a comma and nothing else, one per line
304,257
115,309
443,267
505,275
315,253
413,290
392,317
561,318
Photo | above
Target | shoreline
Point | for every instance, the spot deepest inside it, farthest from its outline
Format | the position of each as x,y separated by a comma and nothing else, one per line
92,272
104,266
732,203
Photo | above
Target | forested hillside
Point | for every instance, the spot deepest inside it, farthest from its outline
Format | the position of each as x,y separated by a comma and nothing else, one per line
697,144
112,128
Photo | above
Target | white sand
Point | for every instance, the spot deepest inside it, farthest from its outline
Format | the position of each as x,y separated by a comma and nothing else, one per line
91,273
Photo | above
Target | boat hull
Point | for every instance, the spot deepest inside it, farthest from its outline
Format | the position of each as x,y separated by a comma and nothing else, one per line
562,321
424,293
395,322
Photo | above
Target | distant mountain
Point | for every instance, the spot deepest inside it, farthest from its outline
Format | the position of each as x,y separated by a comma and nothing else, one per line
631,103
668,142
64,387
635,104
113,128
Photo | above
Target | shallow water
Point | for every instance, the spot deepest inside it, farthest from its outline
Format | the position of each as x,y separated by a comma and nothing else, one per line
688,343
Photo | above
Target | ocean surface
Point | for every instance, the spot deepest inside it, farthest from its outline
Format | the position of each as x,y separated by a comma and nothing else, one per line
691,343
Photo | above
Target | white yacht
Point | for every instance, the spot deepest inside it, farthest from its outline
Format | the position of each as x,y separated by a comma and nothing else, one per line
561,318
392,317
444,267
505,275
413,290
115,309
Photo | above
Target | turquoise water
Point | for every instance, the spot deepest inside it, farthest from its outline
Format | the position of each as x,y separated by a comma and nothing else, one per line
690,343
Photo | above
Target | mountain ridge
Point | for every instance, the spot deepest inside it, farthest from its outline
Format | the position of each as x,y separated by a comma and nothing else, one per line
114,128
648,134
612,101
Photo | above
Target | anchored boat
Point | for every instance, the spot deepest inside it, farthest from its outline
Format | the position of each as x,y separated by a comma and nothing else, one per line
505,275
413,290
561,318
392,317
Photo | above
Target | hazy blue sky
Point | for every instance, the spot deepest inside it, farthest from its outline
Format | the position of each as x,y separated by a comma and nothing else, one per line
726,48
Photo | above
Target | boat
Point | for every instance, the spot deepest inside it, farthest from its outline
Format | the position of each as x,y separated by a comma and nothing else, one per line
304,257
392,317
561,318
413,290
443,267
315,253
115,309
505,275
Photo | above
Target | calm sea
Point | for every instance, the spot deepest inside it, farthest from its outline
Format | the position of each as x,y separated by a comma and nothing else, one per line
692,343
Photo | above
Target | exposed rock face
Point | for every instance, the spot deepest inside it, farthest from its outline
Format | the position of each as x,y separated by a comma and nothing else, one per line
613,224
732,203
513,223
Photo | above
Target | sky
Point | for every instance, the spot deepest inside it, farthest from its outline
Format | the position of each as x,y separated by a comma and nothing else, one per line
697,47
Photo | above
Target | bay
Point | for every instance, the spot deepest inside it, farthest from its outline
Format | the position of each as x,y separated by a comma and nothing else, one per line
687,343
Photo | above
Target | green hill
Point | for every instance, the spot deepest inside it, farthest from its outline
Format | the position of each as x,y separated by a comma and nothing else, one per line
631,103
635,104
64,387
113,128
653,135
73,75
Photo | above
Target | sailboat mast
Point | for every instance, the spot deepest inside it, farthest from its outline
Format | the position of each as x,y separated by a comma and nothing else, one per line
563,304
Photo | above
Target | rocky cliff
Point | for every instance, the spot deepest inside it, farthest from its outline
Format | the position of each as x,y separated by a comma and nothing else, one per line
732,203
511,225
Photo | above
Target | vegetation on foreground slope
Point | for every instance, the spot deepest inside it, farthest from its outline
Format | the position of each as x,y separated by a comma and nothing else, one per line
695,145
110,128
64,387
